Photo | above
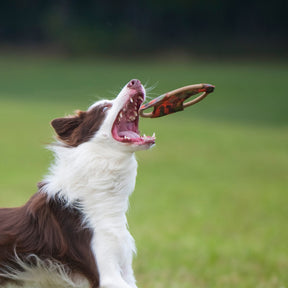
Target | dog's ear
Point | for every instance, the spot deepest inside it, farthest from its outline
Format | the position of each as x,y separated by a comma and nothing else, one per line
64,127
80,128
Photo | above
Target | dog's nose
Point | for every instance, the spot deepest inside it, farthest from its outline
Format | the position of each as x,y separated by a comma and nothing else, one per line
134,84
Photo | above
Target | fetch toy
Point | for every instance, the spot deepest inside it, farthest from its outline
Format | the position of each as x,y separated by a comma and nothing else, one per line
173,101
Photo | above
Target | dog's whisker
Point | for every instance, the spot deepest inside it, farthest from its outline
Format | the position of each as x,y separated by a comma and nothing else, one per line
152,87
148,97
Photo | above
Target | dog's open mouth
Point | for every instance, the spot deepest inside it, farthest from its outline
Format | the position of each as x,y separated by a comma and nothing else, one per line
125,127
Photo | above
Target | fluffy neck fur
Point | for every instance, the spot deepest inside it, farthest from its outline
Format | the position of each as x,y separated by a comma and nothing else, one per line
97,176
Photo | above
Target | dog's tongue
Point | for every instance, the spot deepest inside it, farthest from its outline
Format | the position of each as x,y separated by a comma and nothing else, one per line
129,134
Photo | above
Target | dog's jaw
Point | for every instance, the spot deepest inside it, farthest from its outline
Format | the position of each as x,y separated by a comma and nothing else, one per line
123,118
125,127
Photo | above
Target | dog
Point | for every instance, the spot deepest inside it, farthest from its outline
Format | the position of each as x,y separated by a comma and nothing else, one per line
73,230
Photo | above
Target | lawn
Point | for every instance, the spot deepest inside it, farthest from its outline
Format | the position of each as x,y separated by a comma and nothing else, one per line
210,205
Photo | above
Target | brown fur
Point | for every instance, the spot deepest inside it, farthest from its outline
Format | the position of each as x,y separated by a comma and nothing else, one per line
50,230
75,130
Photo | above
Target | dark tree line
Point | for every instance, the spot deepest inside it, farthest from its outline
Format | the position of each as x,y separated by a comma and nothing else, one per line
92,26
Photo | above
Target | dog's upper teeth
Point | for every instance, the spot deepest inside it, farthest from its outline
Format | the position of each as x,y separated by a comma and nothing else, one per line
131,100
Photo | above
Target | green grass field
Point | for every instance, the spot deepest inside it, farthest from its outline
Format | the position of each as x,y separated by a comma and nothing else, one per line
210,208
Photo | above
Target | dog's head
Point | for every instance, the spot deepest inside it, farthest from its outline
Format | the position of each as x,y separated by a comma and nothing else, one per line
113,123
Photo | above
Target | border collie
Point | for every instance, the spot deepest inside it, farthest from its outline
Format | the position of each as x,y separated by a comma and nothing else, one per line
73,231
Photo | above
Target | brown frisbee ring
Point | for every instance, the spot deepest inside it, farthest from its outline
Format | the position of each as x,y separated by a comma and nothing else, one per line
174,101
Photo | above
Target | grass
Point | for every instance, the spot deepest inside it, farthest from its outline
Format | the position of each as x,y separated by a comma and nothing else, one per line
210,205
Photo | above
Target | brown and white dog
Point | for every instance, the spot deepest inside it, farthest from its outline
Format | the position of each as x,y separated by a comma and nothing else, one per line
73,231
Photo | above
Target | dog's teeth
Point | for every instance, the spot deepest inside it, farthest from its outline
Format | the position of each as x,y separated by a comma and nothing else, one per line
135,113
131,100
120,115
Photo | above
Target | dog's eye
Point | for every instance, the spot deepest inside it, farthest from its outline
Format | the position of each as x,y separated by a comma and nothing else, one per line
105,108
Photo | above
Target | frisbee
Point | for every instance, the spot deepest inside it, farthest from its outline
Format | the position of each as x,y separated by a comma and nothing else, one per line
174,101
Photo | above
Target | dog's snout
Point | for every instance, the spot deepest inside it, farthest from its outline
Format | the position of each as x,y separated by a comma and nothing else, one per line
134,84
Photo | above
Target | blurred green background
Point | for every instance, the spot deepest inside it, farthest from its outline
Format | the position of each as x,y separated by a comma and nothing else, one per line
210,205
